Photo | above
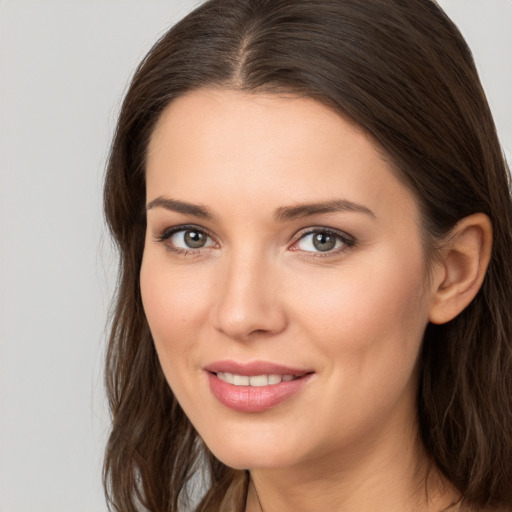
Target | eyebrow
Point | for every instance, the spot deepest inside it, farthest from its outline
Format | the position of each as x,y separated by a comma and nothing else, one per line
181,207
287,213
282,214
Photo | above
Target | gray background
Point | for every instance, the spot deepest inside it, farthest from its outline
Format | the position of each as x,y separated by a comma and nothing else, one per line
63,68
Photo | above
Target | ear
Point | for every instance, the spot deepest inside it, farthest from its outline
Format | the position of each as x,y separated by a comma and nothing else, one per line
461,268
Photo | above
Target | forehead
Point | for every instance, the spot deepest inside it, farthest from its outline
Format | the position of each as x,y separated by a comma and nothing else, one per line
255,146
212,120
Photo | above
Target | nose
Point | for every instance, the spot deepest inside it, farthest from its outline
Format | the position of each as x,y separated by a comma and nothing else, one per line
248,301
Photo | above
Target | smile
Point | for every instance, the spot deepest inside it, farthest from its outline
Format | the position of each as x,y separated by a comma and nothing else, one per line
254,380
254,387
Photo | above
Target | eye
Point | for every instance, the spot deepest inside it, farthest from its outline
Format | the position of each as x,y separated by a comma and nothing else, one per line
190,239
323,241
183,239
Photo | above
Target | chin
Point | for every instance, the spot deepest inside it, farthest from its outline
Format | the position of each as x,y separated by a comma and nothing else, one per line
248,460
249,452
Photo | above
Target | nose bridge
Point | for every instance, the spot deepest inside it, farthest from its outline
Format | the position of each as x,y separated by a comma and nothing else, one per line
248,300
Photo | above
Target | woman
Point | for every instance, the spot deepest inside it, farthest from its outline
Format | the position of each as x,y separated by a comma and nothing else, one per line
314,221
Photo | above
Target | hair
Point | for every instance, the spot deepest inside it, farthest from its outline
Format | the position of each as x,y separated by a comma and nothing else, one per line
401,71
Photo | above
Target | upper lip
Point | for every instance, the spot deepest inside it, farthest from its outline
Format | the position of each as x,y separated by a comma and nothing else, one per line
254,368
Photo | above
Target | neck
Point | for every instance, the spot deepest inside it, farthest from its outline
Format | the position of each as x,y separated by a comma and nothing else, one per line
395,478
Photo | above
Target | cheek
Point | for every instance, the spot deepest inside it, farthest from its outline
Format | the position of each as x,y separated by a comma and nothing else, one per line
366,331
363,300
369,318
176,305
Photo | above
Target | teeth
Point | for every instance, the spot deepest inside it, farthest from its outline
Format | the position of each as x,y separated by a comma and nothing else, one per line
240,380
274,379
254,380
228,377
258,380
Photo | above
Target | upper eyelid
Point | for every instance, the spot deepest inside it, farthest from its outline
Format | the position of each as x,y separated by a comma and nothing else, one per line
322,229
169,231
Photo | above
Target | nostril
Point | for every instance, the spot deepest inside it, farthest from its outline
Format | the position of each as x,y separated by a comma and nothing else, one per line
259,331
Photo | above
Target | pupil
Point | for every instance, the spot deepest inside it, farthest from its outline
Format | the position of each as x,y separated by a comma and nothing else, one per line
194,239
324,242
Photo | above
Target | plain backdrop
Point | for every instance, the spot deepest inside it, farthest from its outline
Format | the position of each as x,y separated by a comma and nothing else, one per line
64,66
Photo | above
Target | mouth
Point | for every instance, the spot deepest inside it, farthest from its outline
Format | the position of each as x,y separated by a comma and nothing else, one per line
254,387
255,380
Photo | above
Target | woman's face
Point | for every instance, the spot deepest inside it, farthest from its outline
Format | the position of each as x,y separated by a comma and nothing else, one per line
283,279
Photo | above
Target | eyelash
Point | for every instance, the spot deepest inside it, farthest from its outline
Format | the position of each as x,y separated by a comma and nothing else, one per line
191,252
347,241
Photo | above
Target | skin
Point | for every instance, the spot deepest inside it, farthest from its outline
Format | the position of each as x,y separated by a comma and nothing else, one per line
260,291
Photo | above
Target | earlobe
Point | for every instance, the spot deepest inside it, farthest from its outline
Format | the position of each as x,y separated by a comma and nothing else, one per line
463,259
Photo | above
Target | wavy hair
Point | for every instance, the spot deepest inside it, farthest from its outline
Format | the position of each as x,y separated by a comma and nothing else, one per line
401,71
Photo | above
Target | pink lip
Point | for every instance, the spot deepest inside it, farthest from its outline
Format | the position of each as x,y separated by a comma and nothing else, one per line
249,398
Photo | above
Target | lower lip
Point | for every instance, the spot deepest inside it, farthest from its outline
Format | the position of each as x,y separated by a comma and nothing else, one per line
254,398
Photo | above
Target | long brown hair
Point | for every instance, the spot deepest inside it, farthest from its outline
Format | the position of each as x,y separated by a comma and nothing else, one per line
401,70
